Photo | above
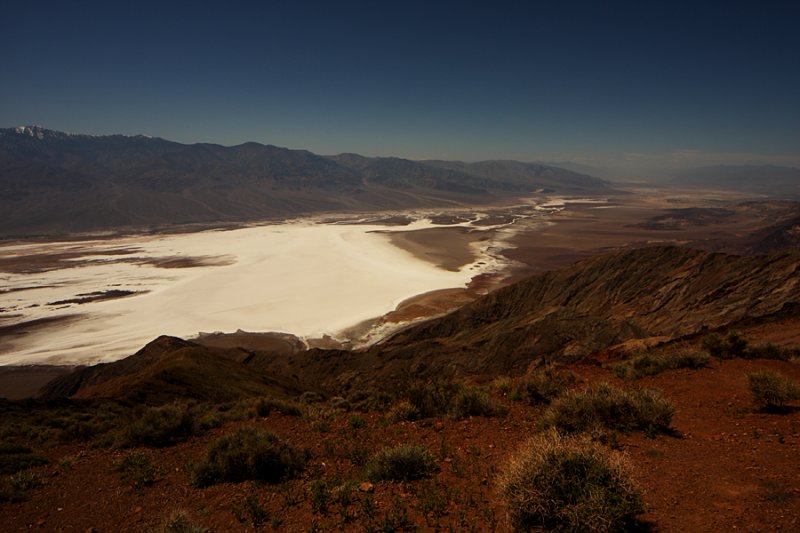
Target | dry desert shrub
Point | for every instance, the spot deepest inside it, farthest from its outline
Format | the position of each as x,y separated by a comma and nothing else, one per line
401,463
180,522
249,454
558,483
735,345
650,365
604,406
545,385
161,426
772,389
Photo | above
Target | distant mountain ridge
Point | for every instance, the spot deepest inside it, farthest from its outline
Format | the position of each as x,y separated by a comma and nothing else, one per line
56,182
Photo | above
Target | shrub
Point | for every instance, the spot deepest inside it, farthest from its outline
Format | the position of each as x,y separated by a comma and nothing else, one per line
773,390
265,406
732,345
769,351
650,365
15,488
249,454
14,458
356,422
403,411
161,426
180,522
544,386
337,402
401,463
472,402
606,406
137,469
432,399
569,484
311,397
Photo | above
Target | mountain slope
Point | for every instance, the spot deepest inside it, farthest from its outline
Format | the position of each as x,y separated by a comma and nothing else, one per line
53,182
169,368
566,314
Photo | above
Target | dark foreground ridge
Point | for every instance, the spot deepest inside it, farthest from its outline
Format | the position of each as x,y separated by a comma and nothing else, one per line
638,296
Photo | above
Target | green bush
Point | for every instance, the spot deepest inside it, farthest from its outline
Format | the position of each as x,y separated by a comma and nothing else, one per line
249,454
401,463
14,458
472,402
432,399
161,426
604,406
772,389
137,469
569,484
544,386
356,422
650,365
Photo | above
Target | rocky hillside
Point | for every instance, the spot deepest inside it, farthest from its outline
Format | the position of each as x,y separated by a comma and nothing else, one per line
564,315
54,182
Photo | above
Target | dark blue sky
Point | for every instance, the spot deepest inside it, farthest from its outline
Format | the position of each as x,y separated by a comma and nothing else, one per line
591,82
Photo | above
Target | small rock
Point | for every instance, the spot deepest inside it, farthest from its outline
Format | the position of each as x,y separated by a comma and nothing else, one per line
366,486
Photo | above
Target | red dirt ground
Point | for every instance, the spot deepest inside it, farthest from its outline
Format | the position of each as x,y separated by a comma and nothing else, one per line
732,467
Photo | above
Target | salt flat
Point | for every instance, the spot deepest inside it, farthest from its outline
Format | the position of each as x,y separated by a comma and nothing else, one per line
301,277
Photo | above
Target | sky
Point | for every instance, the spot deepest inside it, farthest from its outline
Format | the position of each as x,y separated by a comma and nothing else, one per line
642,84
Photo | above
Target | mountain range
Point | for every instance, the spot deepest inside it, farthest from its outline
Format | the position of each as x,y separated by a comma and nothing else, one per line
55,182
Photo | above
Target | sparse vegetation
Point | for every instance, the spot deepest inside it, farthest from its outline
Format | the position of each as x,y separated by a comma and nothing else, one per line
735,345
650,364
15,457
604,406
773,390
180,522
137,469
569,484
15,488
433,399
401,463
249,454
472,402
161,426
544,386
266,406
356,422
